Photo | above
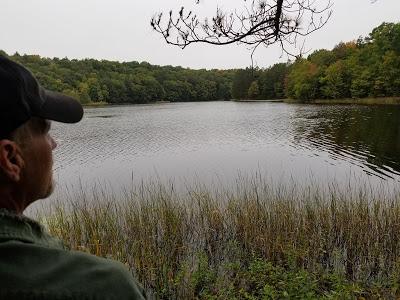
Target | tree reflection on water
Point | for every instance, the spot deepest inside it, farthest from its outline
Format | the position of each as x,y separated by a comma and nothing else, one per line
367,135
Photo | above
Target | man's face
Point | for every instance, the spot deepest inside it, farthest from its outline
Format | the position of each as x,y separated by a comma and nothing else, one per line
38,157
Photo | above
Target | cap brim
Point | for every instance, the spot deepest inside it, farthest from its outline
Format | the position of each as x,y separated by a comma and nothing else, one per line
61,108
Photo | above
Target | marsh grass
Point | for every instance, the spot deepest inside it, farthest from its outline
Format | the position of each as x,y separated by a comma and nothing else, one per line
258,240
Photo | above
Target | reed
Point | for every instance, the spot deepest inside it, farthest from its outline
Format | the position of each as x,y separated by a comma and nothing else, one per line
260,240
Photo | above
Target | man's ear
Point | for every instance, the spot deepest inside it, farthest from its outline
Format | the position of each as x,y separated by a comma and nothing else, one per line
11,161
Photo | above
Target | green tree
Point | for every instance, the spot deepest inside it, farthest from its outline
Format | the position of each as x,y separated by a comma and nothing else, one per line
83,92
337,81
95,91
322,57
302,82
241,83
271,81
361,84
386,37
254,90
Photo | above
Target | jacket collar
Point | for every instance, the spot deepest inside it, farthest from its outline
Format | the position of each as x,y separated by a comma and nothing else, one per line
24,229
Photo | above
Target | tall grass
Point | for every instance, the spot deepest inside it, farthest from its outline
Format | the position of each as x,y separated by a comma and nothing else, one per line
256,240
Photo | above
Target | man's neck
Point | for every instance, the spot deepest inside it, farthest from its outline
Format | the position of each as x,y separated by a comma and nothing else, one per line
12,200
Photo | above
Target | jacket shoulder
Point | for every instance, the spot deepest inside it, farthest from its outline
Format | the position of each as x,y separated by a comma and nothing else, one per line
36,269
103,275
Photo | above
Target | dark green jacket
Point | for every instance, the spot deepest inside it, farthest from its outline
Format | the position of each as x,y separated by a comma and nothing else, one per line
34,265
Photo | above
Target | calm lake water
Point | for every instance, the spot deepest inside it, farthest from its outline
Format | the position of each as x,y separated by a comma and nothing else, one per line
215,141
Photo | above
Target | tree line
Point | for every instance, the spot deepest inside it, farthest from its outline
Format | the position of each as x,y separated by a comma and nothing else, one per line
367,67
91,80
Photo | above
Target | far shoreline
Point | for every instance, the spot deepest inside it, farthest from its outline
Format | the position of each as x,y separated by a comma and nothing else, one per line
359,101
349,101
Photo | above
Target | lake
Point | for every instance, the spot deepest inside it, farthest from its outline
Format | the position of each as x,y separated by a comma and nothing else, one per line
214,142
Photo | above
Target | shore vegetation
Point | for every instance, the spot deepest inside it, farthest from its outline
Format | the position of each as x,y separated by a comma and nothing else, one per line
353,71
258,240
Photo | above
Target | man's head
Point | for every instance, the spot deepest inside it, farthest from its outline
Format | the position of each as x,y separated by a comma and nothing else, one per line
25,144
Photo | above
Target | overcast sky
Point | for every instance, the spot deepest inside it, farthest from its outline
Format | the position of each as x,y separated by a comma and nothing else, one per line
120,30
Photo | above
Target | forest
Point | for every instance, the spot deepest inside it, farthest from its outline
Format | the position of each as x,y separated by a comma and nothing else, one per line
91,80
366,67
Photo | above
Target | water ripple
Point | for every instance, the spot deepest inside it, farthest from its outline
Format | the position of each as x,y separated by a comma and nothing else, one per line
169,137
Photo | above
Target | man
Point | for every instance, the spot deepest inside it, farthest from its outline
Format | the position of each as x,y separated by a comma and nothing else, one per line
34,265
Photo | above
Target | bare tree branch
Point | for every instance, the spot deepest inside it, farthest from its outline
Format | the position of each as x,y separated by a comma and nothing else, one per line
261,22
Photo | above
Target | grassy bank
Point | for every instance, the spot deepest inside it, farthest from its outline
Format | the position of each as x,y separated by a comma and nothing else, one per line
103,103
95,104
261,240
258,100
362,101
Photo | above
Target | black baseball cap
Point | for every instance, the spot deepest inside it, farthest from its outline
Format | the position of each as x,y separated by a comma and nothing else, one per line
22,97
